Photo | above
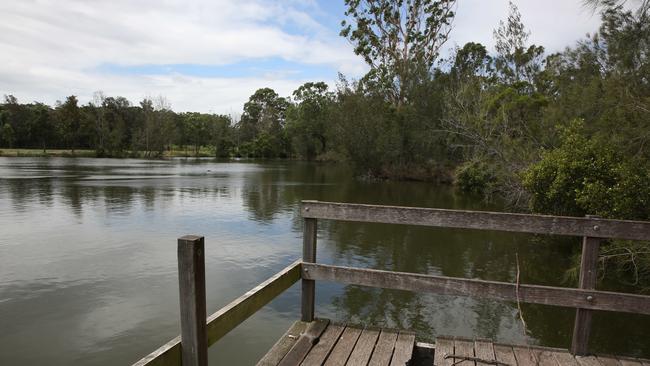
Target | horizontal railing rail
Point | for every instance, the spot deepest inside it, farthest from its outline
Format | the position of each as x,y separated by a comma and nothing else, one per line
481,220
441,285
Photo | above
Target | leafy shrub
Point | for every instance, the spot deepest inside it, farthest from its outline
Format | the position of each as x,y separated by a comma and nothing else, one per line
475,177
588,176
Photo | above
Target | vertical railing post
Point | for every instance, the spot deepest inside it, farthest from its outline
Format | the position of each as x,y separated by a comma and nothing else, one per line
191,281
308,255
587,281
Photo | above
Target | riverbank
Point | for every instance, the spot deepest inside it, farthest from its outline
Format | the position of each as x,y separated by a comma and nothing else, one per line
85,153
31,153
434,173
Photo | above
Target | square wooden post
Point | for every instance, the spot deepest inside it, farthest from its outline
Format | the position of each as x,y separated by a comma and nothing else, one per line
587,281
309,256
191,281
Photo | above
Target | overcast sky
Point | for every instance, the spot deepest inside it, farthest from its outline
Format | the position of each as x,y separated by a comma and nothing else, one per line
211,55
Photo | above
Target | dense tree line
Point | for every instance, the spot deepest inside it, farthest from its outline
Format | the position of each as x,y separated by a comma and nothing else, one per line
563,133
111,126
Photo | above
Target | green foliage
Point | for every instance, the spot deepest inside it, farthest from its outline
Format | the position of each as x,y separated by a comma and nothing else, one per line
475,177
42,126
7,135
200,129
369,132
397,38
153,127
604,80
68,120
308,119
470,61
261,128
586,176
112,127
221,136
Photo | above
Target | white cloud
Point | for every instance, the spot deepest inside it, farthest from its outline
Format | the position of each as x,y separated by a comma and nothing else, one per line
52,48
186,93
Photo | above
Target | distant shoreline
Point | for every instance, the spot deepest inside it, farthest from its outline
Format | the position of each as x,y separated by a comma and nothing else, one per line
86,153
435,174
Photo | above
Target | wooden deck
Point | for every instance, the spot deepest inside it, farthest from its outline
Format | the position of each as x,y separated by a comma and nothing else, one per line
324,343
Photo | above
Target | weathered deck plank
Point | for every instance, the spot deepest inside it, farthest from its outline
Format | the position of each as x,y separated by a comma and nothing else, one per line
305,343
463,349
344,347
322,349
484,350
505,354
403,349
544,357
384,348
283,345
444,347
627,362
363,350
587,361
524,356
608,361
564,358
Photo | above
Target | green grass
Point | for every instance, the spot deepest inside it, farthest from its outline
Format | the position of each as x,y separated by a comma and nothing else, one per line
48,152
204,151
174,152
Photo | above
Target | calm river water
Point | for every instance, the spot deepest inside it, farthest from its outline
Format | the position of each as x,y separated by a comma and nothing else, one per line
88,259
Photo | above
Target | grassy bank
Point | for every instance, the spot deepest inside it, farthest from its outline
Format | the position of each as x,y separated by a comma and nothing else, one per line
204,152
173,153
48,152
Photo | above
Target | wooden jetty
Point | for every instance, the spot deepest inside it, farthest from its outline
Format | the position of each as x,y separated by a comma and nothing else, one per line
312,341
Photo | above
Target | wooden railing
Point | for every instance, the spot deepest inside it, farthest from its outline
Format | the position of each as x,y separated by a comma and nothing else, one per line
197,334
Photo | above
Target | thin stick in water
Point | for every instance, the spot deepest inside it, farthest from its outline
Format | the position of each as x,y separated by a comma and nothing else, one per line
521,313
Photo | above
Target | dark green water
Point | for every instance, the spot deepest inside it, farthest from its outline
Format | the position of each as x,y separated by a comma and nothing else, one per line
88,266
